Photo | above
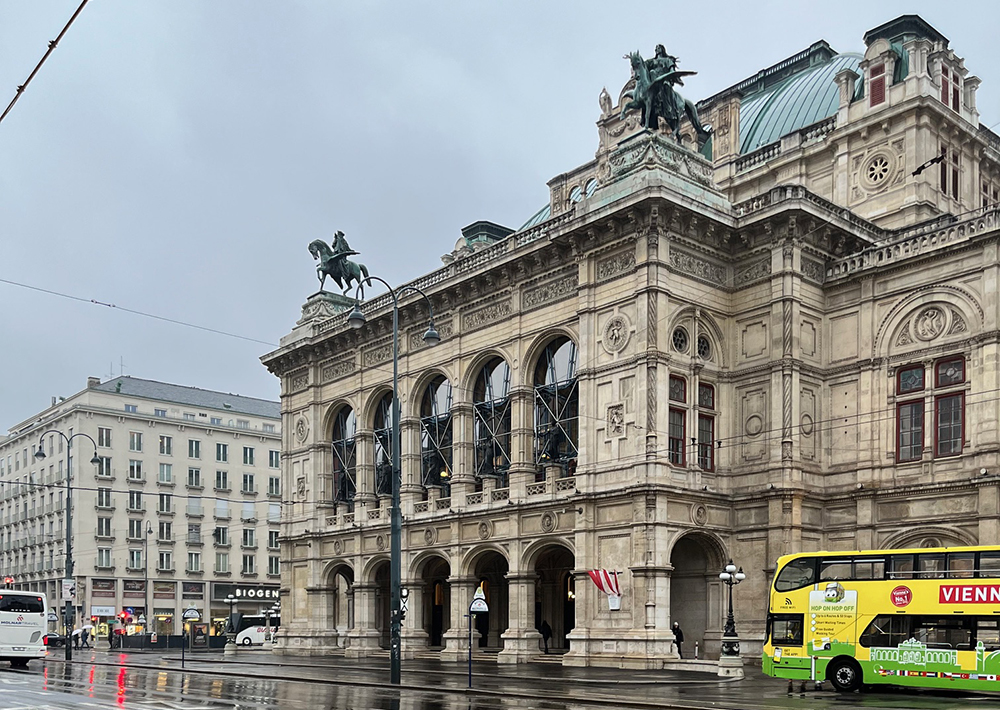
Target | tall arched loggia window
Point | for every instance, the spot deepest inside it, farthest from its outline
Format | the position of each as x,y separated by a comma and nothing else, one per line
345,459
557,405
383,446
435,435
492,423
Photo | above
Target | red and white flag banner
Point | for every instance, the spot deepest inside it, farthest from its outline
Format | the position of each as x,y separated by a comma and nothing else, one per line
607,582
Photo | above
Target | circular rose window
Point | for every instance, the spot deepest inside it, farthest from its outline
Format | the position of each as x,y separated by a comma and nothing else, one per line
875,175
680,340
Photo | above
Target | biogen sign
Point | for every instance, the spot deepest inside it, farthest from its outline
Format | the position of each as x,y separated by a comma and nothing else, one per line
969,594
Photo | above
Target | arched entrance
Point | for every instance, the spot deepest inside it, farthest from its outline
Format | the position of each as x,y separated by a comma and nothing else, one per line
436,600
382,598
340,601
695,593
491,574
555,594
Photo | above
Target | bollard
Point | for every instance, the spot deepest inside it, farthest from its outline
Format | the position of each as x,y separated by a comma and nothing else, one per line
819,685
696,650
802,689
791,687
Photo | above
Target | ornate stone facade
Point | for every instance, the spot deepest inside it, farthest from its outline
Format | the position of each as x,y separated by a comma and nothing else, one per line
787,347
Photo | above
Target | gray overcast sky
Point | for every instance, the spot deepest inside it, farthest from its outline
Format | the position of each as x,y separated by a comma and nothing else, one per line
176,157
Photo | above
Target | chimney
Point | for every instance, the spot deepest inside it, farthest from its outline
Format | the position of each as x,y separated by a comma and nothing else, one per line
93,382
53,400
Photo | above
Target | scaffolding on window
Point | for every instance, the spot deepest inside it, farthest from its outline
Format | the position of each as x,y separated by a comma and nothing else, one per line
383,446
492,424
436,436
557,407
345,461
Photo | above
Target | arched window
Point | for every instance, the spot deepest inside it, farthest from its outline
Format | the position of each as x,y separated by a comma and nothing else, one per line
492,423
435,435
345,458
557,404
383,446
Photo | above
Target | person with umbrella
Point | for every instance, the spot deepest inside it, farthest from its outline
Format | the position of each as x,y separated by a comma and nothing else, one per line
88,629
77,633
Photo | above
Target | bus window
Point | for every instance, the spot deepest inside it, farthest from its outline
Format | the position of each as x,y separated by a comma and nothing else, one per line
901,567
989,564
930,566
869,569
961,564
22,603
796,574
988,633
834,570
886,631
943,632
786,630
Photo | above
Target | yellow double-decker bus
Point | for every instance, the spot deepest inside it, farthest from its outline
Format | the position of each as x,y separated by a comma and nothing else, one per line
927,617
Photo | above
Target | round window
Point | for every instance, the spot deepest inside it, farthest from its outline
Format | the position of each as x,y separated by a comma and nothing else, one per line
704,348
877,171
680,340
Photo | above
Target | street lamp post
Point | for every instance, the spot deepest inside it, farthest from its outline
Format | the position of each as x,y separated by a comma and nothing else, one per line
230,634
356,320
40,455
730,639
146,613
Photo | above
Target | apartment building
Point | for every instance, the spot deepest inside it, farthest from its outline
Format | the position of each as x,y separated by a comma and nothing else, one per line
176,499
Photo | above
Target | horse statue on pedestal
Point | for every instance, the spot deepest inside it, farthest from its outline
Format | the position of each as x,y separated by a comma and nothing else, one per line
333,262
655,97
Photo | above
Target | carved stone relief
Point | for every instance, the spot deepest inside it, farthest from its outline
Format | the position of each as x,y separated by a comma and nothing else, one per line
929,323
445,330
616,265
813,270
753,404
301,428
487,315
699,514
616,419
757,270
617,333
299,380
549,292
697,267
335,370
548,522
377,355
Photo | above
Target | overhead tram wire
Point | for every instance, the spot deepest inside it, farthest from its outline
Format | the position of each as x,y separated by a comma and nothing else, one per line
135,312
52,45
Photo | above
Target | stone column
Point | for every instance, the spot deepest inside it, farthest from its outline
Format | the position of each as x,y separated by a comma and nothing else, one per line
363,638
365,470
411,484
521,641
463,466
522,441
414,637
456,638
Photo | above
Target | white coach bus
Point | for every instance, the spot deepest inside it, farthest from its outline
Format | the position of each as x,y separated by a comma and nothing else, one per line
23,623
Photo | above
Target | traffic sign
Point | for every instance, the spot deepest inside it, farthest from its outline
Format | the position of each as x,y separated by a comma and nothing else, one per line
52,616
479,605
191,614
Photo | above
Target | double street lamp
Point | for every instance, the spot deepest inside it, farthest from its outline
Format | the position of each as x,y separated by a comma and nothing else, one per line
730,639
39,456
356,320
147,614
231,632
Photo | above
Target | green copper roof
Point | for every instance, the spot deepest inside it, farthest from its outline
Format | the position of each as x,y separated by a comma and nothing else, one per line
797,102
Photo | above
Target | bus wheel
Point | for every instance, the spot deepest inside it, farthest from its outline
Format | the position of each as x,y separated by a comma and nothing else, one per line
844,674
247,641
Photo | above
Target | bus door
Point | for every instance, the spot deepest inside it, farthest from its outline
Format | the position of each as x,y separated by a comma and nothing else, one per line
831,624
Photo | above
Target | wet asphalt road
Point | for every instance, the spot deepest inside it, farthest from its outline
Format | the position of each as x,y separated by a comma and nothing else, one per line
134,681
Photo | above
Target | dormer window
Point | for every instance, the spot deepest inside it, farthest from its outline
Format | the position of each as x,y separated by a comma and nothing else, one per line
951,88
876,85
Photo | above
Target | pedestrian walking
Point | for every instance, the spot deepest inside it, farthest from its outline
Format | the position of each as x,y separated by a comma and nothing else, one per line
546,634
85,638
76,637
678,639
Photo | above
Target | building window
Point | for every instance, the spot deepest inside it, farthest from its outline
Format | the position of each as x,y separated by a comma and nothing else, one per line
706,396
134,529
273,566
131,408
135,441
679,339
222,480
991,194
877,85
267,428
945,398
166,562
272,539
166,446
135,559
274,486
134,470
249,564
242,424
491,427
221,535
103,497
104,466
104,557
222,563
159,412
274,459
344,483
188,416
165,531
383,445
706,442
222,452
104,527
165,503
704,347
216,421
248,483
194,562
249,537
166,473
950,178
677,389
248,456
436,435
675,437
103,437
557,404
951,83
194,449
194,478
135,501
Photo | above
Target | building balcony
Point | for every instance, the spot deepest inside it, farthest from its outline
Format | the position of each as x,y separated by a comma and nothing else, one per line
223,572
140,509
194,486
131,568
165,484
164,570
246,574
249,491
194,570
194,540
195,511
161,511
137,480
221,514
110,506
103,568
165,540
252,546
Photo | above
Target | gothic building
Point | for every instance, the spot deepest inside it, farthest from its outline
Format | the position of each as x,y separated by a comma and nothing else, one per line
780,338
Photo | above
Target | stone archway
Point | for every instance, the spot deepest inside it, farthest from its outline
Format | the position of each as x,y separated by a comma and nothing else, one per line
381,600
435,600
696,593
340,602
490,573
555,594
